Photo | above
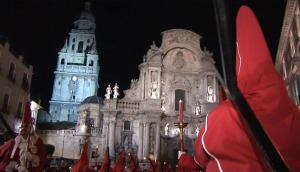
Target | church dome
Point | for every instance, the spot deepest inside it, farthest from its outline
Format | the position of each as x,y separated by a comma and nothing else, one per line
93,99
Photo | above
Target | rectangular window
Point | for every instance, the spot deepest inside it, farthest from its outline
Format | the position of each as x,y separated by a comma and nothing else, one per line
11,72
19,110
126,125
25,83
5,103
91,122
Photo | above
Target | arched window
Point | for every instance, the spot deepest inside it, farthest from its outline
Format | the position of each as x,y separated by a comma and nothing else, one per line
179,95
62,61
80,47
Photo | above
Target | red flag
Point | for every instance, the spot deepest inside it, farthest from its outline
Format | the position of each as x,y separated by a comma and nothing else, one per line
119,165
154,167
105,165
83,162
134,164
167,167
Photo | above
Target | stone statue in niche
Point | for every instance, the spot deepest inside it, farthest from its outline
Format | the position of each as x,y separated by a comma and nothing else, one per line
154,90
116,93
210,96
108,92
210,89
163,101
197,130
197,109
167,129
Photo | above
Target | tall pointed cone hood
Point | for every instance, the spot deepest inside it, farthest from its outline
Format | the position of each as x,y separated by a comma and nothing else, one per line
83,162
264,88
26,119
119,165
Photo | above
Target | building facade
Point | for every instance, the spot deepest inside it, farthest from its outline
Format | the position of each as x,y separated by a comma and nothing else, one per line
15,79
76,75
144,120
288,54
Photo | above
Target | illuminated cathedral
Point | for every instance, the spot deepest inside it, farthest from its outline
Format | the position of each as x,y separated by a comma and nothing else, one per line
143,120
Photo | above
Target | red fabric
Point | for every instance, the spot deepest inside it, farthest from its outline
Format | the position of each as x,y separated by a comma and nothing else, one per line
134,164
223,142
7,148
167,168
26,119
187,163
119,165
105,165
154,167
83,162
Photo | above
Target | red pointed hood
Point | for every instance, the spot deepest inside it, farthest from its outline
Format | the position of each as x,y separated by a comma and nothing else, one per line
263,87
106,164
134,164
119,166
26,119
83,161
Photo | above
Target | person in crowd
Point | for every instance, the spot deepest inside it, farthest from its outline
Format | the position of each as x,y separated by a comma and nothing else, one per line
26,152
224,142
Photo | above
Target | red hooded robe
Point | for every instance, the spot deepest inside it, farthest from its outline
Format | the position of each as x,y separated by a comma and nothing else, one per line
223,143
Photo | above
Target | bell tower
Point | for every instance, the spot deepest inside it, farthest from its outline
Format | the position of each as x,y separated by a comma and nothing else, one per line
76,75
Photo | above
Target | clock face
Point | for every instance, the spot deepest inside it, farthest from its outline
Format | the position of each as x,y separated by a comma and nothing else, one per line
74,78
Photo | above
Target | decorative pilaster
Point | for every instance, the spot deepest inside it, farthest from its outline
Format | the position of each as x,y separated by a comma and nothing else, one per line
111,138
146,139
157,141
140,142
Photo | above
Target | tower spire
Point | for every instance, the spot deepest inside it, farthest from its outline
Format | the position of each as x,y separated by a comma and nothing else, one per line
87,5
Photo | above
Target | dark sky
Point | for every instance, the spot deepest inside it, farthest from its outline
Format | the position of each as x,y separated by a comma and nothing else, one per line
37,29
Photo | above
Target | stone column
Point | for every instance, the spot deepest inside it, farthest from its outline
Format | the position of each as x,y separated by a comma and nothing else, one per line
159,84
157,141
146,139
111,137
140,141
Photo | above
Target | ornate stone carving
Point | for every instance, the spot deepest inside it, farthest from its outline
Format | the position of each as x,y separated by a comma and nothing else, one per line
134,83
178,61
180,81
112,120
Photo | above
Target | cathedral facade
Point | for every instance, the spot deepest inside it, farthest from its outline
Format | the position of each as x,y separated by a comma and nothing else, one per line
143,121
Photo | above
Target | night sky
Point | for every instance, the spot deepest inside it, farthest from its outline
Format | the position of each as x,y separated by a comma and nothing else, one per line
37,29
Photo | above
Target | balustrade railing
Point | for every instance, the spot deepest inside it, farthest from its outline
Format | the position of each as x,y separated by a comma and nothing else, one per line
128,106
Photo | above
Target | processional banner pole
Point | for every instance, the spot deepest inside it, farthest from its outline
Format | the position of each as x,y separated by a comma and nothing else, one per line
227,49
181,125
